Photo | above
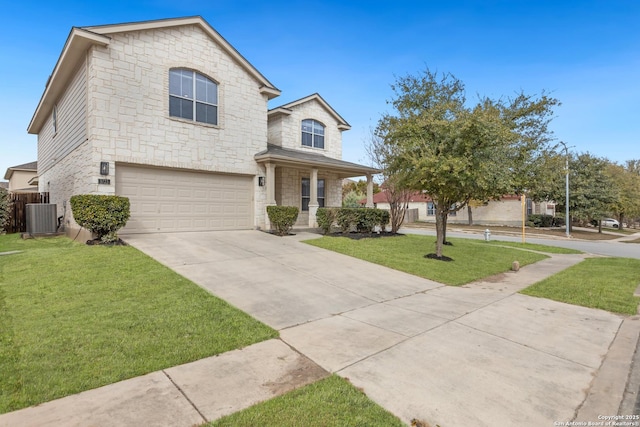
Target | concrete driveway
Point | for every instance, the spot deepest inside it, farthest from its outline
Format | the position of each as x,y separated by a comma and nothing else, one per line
478,355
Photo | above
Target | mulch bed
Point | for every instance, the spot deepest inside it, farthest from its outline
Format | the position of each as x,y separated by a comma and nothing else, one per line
358,236
95,242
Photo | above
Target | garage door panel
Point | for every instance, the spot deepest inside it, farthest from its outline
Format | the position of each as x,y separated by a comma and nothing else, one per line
167,200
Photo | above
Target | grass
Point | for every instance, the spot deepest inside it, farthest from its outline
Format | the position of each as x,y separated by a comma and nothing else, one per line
536,247
604,283
74,317
329,402
472,259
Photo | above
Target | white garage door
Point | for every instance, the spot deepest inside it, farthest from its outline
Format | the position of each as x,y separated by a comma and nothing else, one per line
169,200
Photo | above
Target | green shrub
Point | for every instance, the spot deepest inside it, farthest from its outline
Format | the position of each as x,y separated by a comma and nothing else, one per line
539,220
559,220
4,208
282,218
100,214
362,220
326,217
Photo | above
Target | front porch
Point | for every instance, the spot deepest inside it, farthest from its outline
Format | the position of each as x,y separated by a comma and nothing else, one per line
308,181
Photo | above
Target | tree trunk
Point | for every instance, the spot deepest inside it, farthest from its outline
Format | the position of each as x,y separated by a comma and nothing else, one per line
621,217
470,214
600,226
444,227
440,224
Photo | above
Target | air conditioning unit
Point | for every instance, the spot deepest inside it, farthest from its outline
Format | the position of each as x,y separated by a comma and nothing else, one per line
41,218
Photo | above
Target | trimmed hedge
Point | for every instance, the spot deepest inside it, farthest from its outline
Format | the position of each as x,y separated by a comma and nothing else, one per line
326,217
539,220
101,214
282,218
362,220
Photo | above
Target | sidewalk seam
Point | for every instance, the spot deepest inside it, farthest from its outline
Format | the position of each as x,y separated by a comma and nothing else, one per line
193,405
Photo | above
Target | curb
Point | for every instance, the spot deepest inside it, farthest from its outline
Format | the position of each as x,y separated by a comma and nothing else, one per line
608,387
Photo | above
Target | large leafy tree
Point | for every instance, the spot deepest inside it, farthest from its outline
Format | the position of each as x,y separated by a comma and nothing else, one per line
626,180
592,192
456,152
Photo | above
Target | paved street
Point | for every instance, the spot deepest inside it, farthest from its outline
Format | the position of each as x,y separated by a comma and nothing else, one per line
599,247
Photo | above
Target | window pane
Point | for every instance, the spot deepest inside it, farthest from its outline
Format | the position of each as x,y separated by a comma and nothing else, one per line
321,188
187,84
430,209
318,141
307,139
206,113
201,88
307,126
321,202
175,82
318,129
305,204
179,107
306,187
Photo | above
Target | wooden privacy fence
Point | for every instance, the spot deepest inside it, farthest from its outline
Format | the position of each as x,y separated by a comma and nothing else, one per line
18,210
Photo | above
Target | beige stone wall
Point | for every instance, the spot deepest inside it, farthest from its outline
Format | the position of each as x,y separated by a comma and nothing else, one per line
124,102
68,177
289,189
286,131
129,104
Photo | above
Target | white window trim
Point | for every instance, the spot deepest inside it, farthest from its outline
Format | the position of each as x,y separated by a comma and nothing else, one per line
195,100
313,134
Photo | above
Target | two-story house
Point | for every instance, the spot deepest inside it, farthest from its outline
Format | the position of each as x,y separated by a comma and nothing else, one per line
170,115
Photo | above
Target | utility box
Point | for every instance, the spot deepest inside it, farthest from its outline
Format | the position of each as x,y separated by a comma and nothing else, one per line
41,218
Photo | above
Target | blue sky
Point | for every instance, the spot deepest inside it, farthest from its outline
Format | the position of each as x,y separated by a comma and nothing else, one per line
585,53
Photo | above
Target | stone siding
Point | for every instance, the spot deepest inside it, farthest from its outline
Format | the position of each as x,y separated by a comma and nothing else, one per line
286,130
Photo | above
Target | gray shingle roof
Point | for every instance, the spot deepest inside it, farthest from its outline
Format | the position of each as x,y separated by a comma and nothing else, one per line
275,153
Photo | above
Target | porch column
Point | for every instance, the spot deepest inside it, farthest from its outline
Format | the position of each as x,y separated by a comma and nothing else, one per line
313,198
271,184
369,191
271,192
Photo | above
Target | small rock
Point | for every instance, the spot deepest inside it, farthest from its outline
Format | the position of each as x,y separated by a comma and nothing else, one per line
515,266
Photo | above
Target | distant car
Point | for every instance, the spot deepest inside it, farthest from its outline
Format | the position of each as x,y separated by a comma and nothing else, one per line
610,222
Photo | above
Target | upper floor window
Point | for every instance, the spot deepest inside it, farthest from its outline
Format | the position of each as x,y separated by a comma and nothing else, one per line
312,133
193,96
54,119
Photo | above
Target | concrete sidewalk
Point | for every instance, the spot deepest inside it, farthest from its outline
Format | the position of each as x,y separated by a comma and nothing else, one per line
479,355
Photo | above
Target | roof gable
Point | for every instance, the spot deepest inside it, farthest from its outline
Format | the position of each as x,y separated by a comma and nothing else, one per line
26,167
81,39
286,109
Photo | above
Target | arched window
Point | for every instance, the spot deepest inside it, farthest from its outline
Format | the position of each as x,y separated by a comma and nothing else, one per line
312,133
192,96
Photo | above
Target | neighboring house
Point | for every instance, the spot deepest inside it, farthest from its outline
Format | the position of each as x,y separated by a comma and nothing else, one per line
170,115
22,178
506,212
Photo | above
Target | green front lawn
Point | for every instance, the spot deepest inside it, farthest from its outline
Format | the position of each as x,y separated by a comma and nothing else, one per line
472,259
75,317
605,283
329,402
